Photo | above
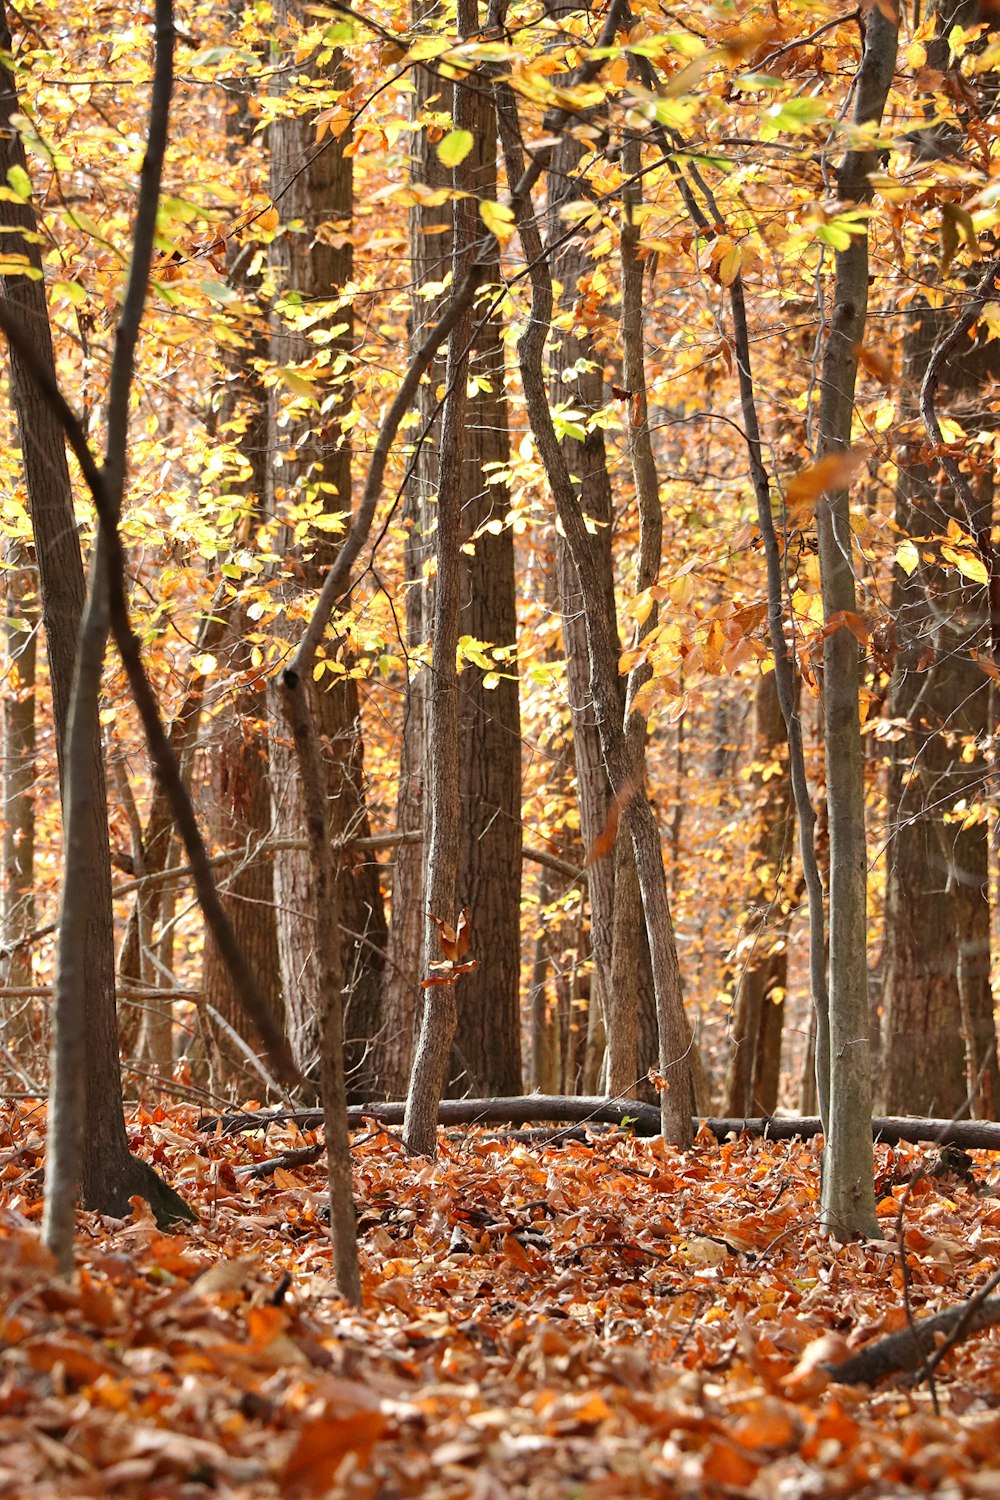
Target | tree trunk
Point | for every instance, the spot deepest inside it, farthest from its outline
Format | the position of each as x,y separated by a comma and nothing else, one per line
438,1020
312,462
487,1057
938,1036
762,955
848,1199
109,1175
675,1040
18,892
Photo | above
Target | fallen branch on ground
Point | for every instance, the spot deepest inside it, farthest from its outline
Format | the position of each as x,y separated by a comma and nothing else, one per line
911,1348
644,1119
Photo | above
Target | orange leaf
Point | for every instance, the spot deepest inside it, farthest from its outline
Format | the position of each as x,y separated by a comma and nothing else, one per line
854,623
324,1443
605,840
833,472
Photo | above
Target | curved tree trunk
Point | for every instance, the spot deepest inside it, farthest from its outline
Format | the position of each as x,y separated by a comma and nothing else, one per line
109,1174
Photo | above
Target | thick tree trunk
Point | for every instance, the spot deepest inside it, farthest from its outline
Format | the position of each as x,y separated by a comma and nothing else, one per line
311,459
487,1057
236,771
236,758
938,1036
487,1054
109,1175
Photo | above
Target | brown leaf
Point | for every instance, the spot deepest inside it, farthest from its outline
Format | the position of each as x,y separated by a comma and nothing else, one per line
455,941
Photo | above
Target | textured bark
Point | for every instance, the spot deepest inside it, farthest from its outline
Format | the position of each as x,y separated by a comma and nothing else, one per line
487,1044
439,1018
755,1030
938,1036
675,1040
619,942
312,257
240,798
848,1199
430,253
236,759
87,1142
488,1039
17,899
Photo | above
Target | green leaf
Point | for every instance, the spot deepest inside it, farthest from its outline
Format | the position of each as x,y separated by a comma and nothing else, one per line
455,147
20,182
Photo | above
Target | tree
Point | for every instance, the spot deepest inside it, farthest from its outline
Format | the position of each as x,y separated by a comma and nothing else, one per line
88,1144
938,1032
848,1198
310,475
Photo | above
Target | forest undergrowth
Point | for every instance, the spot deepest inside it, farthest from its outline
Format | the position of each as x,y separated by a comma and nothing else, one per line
600,1319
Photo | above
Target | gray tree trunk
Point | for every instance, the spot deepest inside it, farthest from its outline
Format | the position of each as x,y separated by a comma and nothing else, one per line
848,1198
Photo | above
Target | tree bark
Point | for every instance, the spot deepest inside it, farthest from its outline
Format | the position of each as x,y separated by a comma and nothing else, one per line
439,1015
17,898
675,1040
311,461
87,1145
762,955
848,1197
938,1035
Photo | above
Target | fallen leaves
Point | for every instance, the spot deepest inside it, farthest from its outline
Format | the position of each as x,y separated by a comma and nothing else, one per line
600,1318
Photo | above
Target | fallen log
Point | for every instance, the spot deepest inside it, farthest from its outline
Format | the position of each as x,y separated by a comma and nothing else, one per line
910,1349
643,1119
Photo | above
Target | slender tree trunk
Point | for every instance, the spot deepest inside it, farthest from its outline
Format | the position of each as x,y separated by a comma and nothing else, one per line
18,893
439,1017
848,1200
762,956
677,1098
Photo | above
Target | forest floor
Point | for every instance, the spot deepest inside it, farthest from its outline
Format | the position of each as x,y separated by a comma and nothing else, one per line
586,1320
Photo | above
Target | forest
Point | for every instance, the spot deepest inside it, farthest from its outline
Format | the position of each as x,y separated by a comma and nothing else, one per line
501,623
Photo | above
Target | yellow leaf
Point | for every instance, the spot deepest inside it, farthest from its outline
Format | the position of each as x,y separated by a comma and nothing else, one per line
907,557
885,414
968,564
498,218
204,663
730,265
455,147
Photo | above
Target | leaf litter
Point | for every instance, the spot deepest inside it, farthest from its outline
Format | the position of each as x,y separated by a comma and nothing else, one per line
589,1319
